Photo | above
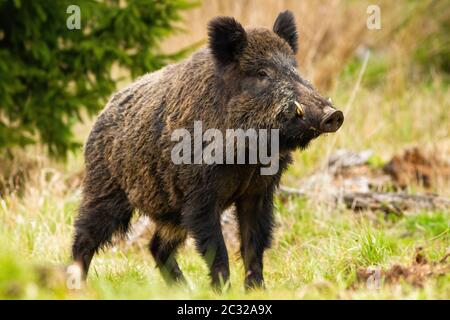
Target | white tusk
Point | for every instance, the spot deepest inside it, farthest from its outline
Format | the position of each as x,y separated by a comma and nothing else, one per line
299,109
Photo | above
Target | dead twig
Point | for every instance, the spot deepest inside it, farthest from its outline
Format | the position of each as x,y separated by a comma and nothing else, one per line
389,202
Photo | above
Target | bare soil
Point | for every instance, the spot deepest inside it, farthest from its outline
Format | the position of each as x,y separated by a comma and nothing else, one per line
417,273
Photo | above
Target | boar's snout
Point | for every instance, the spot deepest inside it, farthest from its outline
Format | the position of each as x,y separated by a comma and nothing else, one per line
332,120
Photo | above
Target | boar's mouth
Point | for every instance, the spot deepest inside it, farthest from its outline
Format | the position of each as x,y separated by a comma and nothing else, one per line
307,136
309,122
302,139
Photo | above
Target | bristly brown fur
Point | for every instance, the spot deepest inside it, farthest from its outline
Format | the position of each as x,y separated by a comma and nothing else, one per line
128,152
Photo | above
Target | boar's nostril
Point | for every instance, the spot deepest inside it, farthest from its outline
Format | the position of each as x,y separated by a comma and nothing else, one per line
332,121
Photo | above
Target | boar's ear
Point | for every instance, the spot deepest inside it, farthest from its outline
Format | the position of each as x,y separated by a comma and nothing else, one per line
227,39
285,27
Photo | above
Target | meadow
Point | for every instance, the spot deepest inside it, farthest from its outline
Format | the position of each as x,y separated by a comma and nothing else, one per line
391,102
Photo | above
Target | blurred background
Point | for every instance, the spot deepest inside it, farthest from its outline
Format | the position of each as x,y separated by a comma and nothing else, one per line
392,84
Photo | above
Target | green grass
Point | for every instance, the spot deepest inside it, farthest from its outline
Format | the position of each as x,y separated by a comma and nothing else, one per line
315,254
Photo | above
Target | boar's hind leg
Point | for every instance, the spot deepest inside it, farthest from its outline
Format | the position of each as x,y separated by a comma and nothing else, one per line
255,216
163,247
99,218
203,223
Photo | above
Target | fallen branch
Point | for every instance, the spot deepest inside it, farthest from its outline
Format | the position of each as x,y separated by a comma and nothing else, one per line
389,202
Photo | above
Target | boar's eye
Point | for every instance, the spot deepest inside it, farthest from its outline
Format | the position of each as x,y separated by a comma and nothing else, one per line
263,74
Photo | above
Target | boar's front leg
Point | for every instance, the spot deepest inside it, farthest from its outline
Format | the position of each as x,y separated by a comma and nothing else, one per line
202,219
255,216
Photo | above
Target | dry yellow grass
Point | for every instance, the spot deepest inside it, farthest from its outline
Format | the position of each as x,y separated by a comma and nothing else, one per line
330,31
